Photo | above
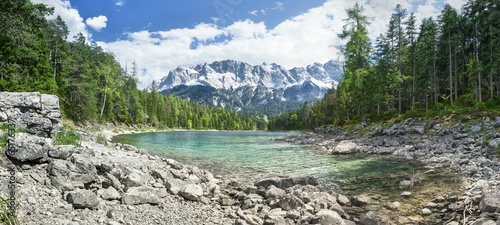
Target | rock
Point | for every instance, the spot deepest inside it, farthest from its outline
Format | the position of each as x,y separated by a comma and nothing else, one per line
327,217
369,219
111,181
134,178
406,194
284,182
62,151
490,201
345,147
227,201
110,194
249,219
174,185
360,200
191,192
393,205
483,221
342,200
497,122
290,202
251,200
82,199
128,147
405,184
142,195
174,164
475,129
30,148
274,193
67,176
426,211
494,146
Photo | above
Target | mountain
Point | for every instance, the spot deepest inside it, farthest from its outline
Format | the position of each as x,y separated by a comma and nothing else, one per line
241,86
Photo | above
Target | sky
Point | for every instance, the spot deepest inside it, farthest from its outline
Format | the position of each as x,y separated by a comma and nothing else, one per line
160,35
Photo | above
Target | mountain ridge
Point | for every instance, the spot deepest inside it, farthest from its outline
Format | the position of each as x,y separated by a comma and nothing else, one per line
239,85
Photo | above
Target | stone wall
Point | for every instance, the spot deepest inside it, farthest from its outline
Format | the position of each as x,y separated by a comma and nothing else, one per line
38,114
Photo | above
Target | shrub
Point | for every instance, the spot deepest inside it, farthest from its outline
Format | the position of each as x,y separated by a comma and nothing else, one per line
480,106
3,139
68,136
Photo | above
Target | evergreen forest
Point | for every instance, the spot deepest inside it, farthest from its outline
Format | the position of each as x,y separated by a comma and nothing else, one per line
444,66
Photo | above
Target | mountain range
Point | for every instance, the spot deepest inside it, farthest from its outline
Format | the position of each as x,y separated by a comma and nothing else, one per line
243,87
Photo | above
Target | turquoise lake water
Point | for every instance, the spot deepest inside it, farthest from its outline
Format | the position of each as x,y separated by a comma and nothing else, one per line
254,155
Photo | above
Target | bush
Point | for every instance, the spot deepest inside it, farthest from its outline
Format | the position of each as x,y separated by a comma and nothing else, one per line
3,139
68,136
480,106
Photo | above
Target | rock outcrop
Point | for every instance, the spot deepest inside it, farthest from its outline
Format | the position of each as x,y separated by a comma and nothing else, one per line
38,114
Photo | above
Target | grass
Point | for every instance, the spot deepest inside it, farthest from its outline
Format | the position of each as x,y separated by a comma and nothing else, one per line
4,126
67,136
5,217
3,140
101,139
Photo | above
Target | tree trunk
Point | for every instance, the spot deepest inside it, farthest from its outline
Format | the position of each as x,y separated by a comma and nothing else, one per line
55,61
105,92
426,104
451,76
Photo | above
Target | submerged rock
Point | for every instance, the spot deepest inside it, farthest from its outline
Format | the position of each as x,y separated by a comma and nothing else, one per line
284,182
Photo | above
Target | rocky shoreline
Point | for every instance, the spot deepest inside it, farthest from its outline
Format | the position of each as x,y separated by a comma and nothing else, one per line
120,184
470,152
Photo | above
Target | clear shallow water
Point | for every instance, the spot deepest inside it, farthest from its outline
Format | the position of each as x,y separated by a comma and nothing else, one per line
254,155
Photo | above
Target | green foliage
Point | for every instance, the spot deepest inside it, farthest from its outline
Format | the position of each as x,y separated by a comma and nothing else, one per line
67,136
5,217
446,67
4,126
3,139
101,139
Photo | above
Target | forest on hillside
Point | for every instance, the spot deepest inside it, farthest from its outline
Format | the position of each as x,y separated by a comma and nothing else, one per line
449,64
35,55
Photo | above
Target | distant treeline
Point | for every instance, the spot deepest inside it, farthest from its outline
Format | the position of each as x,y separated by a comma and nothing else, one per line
448,65
93,87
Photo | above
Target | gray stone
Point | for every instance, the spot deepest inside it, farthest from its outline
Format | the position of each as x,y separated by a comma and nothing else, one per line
128,147
405,184
142,195
475,129
290,202
342,200
191,192
345,147
369,219
494,146
111,181
274,193
426,211
82,199
328,217
360,200
30,148
284,182
483,221
490,201
174,185
110,194
497,122
134,178
62,151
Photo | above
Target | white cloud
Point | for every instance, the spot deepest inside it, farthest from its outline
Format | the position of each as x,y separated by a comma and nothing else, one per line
427,10
279,6
253,12
457,4
97,23
119,2
299,41
71,16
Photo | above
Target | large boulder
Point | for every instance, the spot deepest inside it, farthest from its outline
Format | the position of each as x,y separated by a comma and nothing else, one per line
174,185
82,199
494,146
38,114
30,148
490,201
284,182
345,147
142,195
67,175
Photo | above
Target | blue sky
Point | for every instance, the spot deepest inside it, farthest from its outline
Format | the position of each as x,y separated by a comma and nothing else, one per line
160,35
